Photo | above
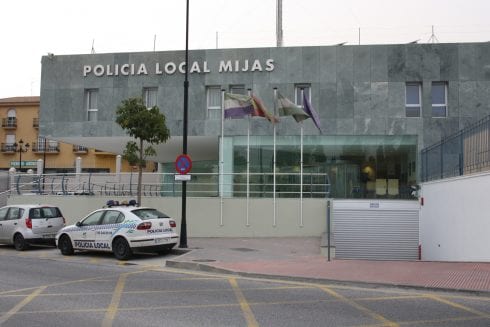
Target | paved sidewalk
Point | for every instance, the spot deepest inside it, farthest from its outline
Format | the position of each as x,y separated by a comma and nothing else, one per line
300,258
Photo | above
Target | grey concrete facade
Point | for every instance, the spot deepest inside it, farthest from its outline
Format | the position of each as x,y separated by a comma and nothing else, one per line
357,90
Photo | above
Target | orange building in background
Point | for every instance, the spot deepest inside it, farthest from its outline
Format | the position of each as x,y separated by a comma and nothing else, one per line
22,146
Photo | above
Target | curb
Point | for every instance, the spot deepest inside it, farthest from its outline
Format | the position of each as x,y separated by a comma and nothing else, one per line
186,265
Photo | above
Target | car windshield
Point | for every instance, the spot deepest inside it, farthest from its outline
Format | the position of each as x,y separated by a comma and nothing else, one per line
147,213
44,212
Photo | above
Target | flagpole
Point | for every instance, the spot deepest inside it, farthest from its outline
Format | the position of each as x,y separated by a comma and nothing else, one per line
248,164
274,160
301,171
222,155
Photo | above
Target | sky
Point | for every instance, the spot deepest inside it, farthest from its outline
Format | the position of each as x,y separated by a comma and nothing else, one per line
30,29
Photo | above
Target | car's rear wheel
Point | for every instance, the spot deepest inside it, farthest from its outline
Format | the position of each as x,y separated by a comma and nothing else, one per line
121,249
65,246
20,243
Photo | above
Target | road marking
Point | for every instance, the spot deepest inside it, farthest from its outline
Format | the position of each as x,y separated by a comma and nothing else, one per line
21,304
457,305
426,322
247,312
116,297
359,307
390,298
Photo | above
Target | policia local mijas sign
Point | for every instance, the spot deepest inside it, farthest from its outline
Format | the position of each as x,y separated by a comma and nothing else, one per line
170,68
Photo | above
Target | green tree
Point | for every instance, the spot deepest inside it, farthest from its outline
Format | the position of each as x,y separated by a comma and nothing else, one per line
145,125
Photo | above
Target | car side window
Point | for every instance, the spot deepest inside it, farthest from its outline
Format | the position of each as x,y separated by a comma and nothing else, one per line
120,218
35,213
14,213
93,219
111,217
3,213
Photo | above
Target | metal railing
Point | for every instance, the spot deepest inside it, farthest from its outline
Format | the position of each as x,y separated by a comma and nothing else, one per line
261,185
465,152
49,148
10,122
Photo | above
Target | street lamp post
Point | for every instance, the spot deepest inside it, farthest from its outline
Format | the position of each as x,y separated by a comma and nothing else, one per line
183,222
21,147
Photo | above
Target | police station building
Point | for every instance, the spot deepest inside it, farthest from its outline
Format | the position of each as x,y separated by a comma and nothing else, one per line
378,106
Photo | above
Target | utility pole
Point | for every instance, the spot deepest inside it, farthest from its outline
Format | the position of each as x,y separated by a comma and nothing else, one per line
279,24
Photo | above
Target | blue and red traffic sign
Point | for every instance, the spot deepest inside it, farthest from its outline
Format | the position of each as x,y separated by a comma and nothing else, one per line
183,164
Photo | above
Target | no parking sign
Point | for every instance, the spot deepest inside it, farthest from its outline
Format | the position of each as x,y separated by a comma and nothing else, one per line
183,164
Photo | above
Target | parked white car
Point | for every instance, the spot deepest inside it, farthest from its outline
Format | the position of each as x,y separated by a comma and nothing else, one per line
26,224
120,229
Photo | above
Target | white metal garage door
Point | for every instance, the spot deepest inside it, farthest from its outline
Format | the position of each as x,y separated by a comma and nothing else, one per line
370,229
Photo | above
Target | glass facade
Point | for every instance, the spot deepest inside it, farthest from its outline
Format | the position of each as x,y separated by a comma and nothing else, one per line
342,167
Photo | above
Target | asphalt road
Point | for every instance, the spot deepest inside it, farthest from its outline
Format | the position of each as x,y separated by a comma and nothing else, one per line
40,287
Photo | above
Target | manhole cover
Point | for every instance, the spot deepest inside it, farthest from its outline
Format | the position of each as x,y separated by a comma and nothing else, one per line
204,260
129,264
243,249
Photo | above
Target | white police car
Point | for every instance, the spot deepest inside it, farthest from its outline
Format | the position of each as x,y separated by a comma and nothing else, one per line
120,229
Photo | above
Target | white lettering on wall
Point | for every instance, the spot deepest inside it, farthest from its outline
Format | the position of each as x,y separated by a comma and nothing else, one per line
195,68
86,69
99,70
256,66
182,67
225,66
269,65
205,67
158,71
125,69
142,70
170,68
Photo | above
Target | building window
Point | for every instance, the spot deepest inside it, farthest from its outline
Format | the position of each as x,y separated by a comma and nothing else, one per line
306,89
150,96
412,99
41,141
439,99
11,117
213,94
237,89
91,104
9,143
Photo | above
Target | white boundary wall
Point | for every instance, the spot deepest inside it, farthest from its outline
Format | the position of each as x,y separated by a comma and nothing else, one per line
203,214
455,219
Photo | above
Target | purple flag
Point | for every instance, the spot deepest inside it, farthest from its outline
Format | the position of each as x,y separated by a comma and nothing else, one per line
311,111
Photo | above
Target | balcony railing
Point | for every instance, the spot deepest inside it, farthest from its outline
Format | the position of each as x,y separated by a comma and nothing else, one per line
80,149
40,148
35,122
10,122
8,148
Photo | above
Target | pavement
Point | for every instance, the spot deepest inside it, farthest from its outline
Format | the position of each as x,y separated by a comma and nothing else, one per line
299,258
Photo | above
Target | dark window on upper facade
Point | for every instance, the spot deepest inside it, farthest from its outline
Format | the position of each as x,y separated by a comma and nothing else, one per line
439,99
238,89
413,99
150,96
213,102
299,90
91,96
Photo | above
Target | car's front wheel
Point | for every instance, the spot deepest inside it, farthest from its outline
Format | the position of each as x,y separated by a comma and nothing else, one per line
121,249
65,246
20,243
